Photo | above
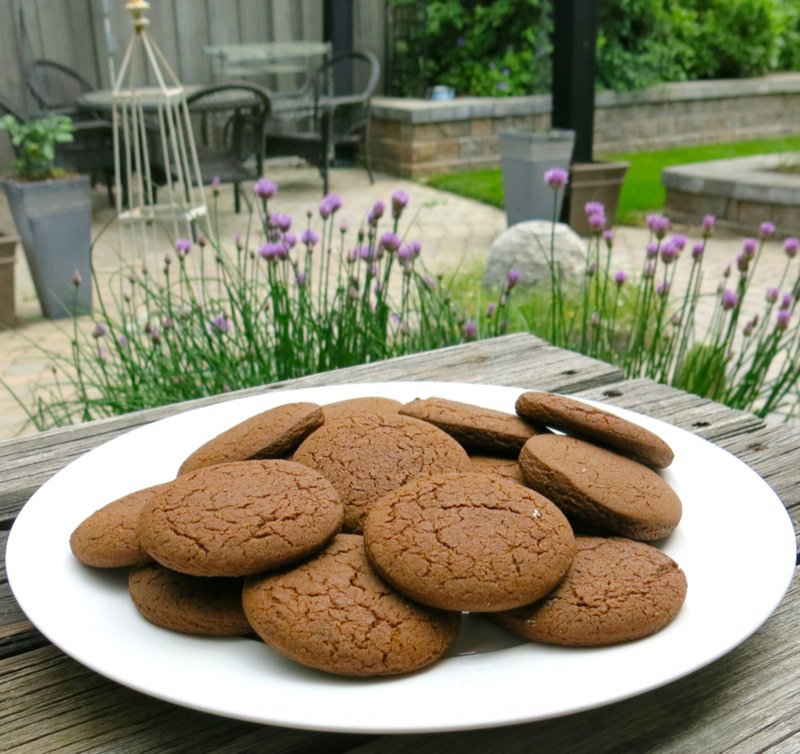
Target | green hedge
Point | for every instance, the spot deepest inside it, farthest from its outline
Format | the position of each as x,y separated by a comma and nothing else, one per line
503,48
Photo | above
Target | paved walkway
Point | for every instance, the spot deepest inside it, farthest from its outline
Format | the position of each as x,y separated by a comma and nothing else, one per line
453,230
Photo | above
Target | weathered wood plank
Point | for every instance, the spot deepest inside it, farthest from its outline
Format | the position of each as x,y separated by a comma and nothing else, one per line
75,710
737,704
192,34
520,360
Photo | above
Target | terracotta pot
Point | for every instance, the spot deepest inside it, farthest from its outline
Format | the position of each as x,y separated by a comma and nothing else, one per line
594,182
8,256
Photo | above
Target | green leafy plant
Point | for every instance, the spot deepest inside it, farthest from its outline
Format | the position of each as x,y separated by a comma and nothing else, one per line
646,325
274,305
34,143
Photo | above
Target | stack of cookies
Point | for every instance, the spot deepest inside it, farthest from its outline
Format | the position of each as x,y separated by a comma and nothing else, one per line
351,537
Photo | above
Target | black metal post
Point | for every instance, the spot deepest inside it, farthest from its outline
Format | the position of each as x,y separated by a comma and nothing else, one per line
337,25
574,60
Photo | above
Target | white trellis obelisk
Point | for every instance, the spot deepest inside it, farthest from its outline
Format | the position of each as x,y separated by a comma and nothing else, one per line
158,179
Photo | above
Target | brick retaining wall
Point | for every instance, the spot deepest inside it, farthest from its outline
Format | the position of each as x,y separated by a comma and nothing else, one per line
414,138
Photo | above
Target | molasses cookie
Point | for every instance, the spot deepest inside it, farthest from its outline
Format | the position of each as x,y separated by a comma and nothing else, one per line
366,455
615,591
469,542
476,428
271,434
595,424
234,519
333,613
594,486
508,468
188,604
108,538
365,405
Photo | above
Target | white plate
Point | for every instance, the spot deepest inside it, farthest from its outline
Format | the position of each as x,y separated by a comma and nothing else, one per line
735,543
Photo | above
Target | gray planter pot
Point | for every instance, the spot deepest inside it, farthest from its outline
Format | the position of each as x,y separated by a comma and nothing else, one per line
53,219
8,258
525,156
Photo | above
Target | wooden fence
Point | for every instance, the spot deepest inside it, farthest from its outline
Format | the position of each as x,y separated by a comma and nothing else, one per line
79,33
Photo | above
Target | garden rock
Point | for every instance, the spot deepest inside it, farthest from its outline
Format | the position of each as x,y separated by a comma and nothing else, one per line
525,247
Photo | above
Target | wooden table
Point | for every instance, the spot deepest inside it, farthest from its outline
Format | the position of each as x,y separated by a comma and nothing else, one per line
748,701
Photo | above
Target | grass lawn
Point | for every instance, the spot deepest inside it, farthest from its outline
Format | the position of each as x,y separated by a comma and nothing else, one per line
642,191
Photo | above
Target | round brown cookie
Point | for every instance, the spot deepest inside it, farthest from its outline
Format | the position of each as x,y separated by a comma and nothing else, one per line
616,590
507,468
271,434
234,519
367,404
108,538
600,488
595,424
476,428
188,604
470,542
333,613
366,455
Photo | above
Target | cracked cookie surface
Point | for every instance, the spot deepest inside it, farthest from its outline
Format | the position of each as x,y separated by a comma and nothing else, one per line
367,455
366,405
595,424
471,542
335,614
188,604
475,427
601,489
271,434
108,538
234,519
616,590
508,468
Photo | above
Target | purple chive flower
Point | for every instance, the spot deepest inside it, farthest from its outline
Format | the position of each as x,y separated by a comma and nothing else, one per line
709,222
608,237
730,299
301,278
787,301
76,278
470,330
651,250
265,188
662,289
281,221
167,322
556,178
593,208
238,241
772,295
658,224
99,330
310,237
502,85
183,246
782,321
750,326
790,246
329,205
597,222
122,341
749,247
620,277
400,200
376,213
670,252
215,184
201,240
289,240
511,279
490,310
390,241
697,250
679,240
743,262
766,229
220,325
